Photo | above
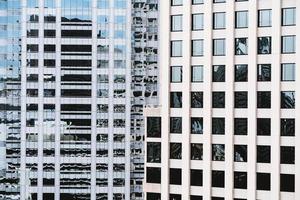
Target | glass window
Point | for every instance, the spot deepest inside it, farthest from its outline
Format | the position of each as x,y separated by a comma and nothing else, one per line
218,73
219,1
287,155
176,2
176,22
175,150
218,126
32,3
287,182
264,45
288,16
153,127
288,72
287,127
175,196
120,4
263,99
218,179
241,46
218,99
197,22
288,44
176,99
197,47
240,180
240,126
175,176
197,2
153,152
240,99
153,196
241,73
240,153
264,18
197,125
153,174
241,19
175,125
263,154
219,47
194,197
196,151
176,48
263,181
102,4
218,152
219,20
176,74
197,73
197,99
263,126
49,3
196,177
288,99
264,72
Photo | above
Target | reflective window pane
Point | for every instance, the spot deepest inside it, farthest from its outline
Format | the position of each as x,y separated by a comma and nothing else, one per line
264,18
196,125
197,47
197,22
218,126
219,20
288,72
175,150
197,73
240,153
240,99
196,151
219,48
240,126
218,100
263,126
176,48
288,99
218,152
153,152
176,74
288,44
218,73
241,73
241,19
264,72
175,125
197,99
176,23
263,99
288,16
241,46
287,127
264,45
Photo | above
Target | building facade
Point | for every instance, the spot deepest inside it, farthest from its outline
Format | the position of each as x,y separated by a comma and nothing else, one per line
72,99
227,124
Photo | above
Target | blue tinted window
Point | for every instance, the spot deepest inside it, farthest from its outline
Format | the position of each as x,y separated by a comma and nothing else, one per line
32,3
120,4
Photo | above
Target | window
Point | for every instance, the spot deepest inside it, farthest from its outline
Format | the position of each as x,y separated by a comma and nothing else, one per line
218,73
197,47
264,72
288,72
288,99
240,126
240,153
176,99
197,22
153,196
218,178
288,16
176,74
240,180
241,46
175,176
240,99
120,4
194,197
263,99
241,73
241,19
196,151
219,1
32,3
175,125
197,125
197,99
288,44
263,126
153,127
218,152
218,126
287,155
176,48
175,197
264,18
175,150
287,127
264,45
263,181
287,182
196,177
153,152
219,20
153,175
219,48
176,2
197,73
218,99
263,154
176,22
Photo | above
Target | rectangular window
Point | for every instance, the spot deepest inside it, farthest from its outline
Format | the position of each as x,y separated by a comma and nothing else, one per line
241,19
263,181
196,177
240,180
240,99
240,126
218,180
175,176
287,182
264,72
263,154
263,99
287,127
154,127
175,125
153,152
176,3
197,99
197,125
288,72
197,22
219,20
288,99
287,155
288,17
153,175
176,74
218,99
197,73
241,73
218,73
265,18
264,45
219,47
241,46
263,126
196,151
240,153
176,99
288,44
176,48
197,47
218,126
175,150
197,2
218,152
176,23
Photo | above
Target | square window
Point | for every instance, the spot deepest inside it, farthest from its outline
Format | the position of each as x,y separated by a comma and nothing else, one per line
240,153
196,151
219,20
175,176
197,125
175,150
263,181
176,23
264,45
176,74
218,178
218,73
240,126
263,154
288,100
153,127
197,73
287,182
263,126
264,72
240,99
287,155
263,99
218,100
241,19
241,46
176,48
153,152
240,180
264,18
197,22
241,73
287,127
218,152
197,47
196,177
288,72
176,99
288,17
197,99
175,125
288,44
218,126
153,174
219,47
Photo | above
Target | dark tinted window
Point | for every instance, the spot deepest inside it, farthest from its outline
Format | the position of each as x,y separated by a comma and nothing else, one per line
218,126
287,155
197,99
240,126
263,154
218,152
153,174
264,72
263,181
218,99
240,180
287,99
287,182
218,73
175,150
153,127
176,99
241,73
263,99
287,127
240,99
153,152
196,125
240,153
196,177
175,124
175,176
218,178
196,151
264,45
263,126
